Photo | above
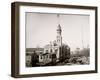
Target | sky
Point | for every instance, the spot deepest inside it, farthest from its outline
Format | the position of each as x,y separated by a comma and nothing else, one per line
41,28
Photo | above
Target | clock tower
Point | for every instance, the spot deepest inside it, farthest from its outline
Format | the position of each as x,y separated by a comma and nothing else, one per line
59,31
59,36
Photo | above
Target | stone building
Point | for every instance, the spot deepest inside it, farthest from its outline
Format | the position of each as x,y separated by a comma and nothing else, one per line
53,52
54,47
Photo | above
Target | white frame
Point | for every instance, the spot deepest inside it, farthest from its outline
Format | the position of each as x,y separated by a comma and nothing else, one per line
37,70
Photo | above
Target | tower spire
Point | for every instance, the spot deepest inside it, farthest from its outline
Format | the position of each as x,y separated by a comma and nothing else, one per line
58,17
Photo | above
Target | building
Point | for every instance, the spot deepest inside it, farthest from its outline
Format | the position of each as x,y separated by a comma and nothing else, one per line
57,49
31,53
51,53
54,47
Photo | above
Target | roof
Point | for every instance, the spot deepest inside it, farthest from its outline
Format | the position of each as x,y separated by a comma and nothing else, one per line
45,53
34,49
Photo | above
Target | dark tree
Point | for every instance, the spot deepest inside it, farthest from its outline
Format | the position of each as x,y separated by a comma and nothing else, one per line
64,52
34,59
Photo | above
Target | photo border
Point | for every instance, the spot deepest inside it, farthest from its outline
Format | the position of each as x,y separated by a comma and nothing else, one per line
15,32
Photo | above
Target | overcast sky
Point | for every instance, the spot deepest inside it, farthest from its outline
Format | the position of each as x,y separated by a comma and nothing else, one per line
42,28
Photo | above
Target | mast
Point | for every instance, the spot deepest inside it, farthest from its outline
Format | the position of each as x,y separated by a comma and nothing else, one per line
82,37
58,17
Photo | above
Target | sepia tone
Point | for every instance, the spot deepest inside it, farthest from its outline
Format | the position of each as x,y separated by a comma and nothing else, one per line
57,53
15,32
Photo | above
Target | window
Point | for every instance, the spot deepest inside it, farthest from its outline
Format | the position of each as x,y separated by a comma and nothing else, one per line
46,51
51,51
56,51
41,57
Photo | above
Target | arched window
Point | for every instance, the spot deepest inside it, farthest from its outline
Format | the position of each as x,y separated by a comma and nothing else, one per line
41,57
50,50
56,51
